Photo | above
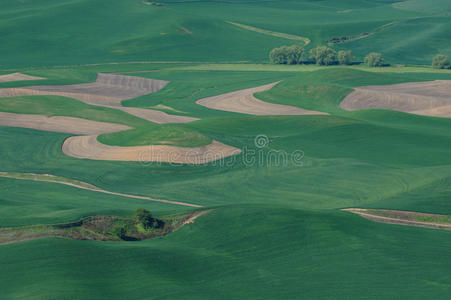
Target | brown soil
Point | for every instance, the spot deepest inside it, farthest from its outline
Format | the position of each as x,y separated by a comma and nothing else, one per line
88,147
18,77
243,101
59,124
423,98
109,90
398,217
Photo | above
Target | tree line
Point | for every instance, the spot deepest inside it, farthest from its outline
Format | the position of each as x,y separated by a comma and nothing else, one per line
321,55
325,56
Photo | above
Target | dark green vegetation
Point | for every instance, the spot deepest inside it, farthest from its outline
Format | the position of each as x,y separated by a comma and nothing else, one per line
273,223
61,32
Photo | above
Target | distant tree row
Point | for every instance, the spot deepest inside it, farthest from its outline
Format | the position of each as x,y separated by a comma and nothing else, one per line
322,56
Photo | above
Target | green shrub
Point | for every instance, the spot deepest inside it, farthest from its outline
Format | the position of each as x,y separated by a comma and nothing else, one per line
144,217
440,61
323,55
344,57
374,60
120,232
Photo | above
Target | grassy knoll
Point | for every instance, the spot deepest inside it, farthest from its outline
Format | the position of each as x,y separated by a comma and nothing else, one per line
278,252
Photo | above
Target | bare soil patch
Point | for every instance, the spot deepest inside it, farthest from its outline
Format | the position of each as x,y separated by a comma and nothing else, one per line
109,90
407,218
59,124
89,148
18,77
243,101
431,98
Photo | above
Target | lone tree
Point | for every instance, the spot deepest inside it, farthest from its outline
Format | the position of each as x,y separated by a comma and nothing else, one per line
345,57
440,61
323,55
374,60
144,217
287,55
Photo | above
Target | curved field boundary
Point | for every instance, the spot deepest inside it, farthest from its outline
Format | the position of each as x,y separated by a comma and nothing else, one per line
109,90
84,186
243,101
287,36
18,77
430,98
399,217
88,147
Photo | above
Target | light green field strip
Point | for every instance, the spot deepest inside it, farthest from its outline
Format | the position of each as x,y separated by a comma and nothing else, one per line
83,185
287,36
308,68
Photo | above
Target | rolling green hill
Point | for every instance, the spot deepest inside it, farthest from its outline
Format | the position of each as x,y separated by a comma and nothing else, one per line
72,32
276,230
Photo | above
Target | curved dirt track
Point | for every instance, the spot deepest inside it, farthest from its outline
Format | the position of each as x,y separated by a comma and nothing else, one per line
59,124
243,101
85,186
18,77
88,147
109,90
431,98
406,218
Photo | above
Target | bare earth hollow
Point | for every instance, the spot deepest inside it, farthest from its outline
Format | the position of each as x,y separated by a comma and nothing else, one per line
432,98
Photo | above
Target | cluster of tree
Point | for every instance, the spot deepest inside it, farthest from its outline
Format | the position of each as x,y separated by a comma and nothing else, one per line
322,56
440,61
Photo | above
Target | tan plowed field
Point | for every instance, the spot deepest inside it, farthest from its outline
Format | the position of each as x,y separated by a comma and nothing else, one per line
88,147
243,101
59,124
431,98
